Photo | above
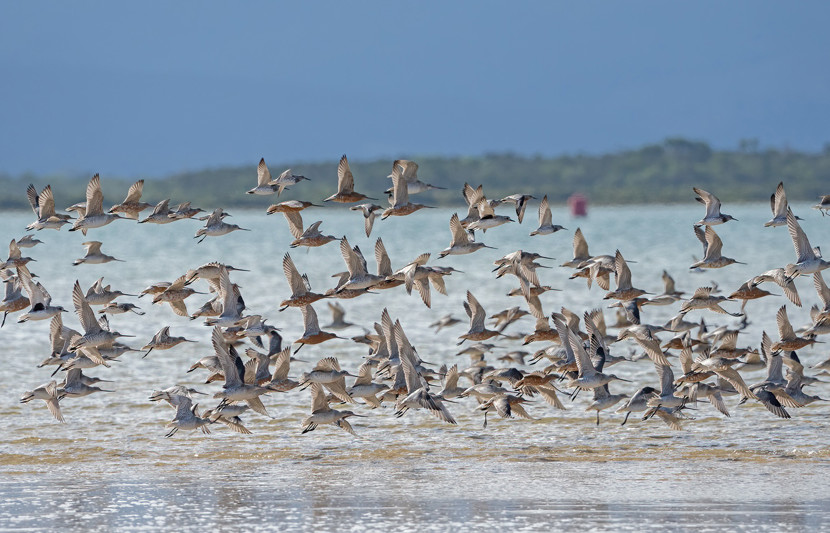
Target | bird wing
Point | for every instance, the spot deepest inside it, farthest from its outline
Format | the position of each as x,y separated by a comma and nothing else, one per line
345,179
800,242
785,329
459,236
545,216
263,175
229,360
312,327
94,197
134,193
382,258
84,311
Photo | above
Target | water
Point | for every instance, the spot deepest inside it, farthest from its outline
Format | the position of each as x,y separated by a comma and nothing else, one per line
110,467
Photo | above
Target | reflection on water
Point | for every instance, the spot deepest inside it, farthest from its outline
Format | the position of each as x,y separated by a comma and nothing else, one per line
111,468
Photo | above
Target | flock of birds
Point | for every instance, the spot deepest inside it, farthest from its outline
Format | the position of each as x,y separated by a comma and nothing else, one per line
575,356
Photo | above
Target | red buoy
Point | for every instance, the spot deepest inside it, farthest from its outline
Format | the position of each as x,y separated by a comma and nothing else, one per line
578,204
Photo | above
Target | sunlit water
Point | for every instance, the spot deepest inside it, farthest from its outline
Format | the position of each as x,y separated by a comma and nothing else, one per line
110,467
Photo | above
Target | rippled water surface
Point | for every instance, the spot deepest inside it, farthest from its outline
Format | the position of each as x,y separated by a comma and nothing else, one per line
110,466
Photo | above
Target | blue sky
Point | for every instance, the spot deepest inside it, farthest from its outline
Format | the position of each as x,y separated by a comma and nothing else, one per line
151,88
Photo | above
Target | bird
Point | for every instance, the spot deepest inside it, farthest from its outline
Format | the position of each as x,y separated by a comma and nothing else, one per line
310,237
546,225
369,211
263,180
39,299
779,206
94,255
321,413
713,258
477,331
43,205
94,216
713,214
215,226
161,214
312,333
521,201
461,242
808,259
345,185
399,202
132,204
47,392
163,341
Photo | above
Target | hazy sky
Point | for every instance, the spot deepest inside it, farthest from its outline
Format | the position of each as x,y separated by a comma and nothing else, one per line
150,88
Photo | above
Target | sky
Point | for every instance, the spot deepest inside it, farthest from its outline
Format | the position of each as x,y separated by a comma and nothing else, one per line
153,88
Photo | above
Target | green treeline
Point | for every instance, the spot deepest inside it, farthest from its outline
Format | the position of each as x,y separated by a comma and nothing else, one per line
663,173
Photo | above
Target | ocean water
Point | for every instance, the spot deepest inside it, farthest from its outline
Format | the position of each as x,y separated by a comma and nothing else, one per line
110,466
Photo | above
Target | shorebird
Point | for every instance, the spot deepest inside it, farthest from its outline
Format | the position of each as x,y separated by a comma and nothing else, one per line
290,206
312,333
520,201
43,205
39,299
215,226
369,215
637,403
808,259
477,331
321,413
622,274
487,217
410,175
580,247
506,405
229,298
47,392
28,241
823,204
94,256
779,277
174,294
338,315
184,210
15,258
399,203
163,341
99,294
161,214
789,340
417,393
301,294
546,225
445,322
235,389
713,258
345,185
713,214
132,204
327,372
704,299
187,417
358,276
778,204
285,180
14,299
94,216
461,242
75,385
94,335
310,237
229,415
263,180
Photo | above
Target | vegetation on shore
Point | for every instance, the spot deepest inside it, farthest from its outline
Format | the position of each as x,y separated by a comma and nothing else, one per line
656,173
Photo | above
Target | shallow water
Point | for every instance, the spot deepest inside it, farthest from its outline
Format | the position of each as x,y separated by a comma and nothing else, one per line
110,466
